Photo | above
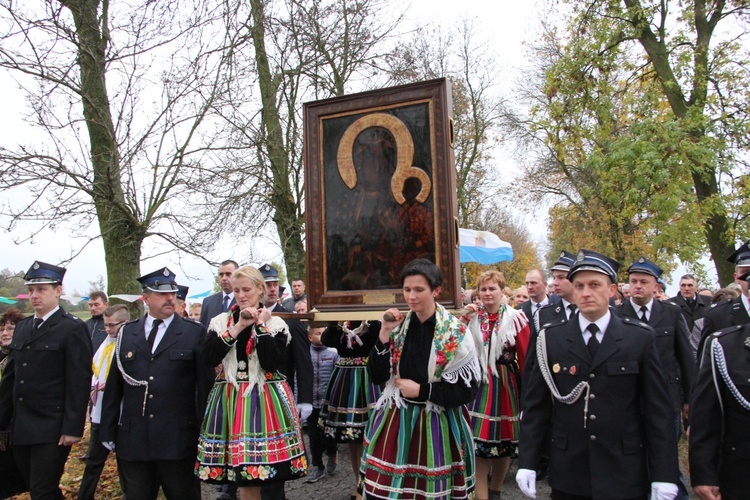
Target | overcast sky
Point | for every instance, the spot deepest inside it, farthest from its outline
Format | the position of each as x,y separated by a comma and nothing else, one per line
504,23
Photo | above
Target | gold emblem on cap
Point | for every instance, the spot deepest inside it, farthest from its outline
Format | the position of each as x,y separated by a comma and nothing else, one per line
556,368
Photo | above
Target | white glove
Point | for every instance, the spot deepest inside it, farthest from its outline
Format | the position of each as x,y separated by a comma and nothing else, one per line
110,445
305,409
663,491
526,479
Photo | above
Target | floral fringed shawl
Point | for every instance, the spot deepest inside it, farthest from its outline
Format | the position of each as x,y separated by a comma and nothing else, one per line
511,330
453,357
255,374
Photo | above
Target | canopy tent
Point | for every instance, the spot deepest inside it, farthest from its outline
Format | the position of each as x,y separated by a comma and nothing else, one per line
483,247
4,300
201,295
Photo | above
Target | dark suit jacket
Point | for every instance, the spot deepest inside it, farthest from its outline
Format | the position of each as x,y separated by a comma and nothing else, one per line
45,387
298,361
702,304
167,429
212,306
526,308
720,316
630,422
673,346
720,440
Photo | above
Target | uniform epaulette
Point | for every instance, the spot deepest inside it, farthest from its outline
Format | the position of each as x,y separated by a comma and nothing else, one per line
670,303
71,316
635,322
727,331
722,303
194,321
551,324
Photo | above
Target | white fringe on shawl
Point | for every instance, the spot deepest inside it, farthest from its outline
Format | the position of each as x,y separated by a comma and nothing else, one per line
255,374
464,365
505,331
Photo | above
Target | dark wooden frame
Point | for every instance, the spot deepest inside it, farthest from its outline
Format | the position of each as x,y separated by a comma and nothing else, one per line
434,96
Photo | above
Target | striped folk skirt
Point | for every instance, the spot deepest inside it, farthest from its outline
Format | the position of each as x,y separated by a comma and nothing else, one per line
251,441
494,415
410,453
349,399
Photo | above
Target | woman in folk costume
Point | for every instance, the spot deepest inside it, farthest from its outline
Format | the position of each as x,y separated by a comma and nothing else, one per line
418,443
351,395
251,433
501,335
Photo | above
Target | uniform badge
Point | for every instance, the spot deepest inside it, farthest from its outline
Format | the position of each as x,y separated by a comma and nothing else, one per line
36,266
129,354
556,368
573,370
641,260
581,256
747,342
165,272
557,309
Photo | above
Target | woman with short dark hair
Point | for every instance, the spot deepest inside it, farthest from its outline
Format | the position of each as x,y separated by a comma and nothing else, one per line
418,442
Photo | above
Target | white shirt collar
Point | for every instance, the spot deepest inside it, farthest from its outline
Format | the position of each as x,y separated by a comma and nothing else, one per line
46,316
637,308
602,323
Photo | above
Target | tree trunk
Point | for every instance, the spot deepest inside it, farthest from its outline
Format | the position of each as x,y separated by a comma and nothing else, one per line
288,221
121,234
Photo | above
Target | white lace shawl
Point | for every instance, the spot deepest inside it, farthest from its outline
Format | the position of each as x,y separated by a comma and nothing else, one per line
505,331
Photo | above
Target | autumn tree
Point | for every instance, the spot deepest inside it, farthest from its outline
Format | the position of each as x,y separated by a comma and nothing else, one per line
121,95
684,61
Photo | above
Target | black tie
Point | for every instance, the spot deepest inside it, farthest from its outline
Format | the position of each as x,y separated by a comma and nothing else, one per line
644,314
37,322
152,333
538,306
225,306
593,344
572,309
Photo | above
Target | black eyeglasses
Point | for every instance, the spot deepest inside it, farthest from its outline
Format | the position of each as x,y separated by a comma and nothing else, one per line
113,325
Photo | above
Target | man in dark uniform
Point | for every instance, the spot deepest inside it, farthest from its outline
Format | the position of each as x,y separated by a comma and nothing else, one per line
152,401
720,416
298,362
733,312
601,379
45,387
692,304
672,338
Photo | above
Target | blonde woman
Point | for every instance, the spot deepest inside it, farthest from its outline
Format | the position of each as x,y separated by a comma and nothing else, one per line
251,434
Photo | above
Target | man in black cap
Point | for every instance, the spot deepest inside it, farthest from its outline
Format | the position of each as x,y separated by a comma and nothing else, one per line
672,339
599,375
180,298
154,397
298,362
45,386
548,315
734,312
720,416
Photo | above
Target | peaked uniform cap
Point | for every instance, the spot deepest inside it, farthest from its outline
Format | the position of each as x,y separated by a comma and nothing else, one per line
269,273
588,260
643,265
41,273
162,280
182,292
741,256
564,262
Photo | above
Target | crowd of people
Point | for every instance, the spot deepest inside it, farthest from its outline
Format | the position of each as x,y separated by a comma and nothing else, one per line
585,380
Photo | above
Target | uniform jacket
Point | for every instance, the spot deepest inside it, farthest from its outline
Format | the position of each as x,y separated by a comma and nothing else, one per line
548,315
720,441
629,421
673,346
527,306
45,387
167,427
723,315
702,304
212,306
